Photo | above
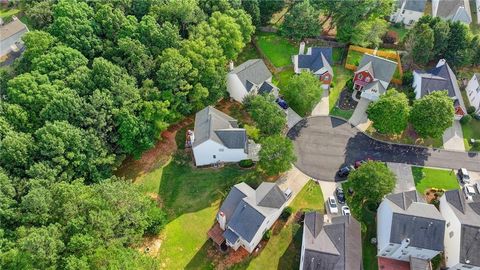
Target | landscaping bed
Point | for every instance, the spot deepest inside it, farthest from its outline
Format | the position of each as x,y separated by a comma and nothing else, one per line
427,178
345,101
409,136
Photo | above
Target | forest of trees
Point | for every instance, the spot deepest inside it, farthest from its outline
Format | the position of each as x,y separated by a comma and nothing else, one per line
98,81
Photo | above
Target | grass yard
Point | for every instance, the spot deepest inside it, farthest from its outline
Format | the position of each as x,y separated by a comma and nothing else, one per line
341,76
401,32
471,131
354,57
426,178
277,49
345,114
249,52
7,13
338,55
281,78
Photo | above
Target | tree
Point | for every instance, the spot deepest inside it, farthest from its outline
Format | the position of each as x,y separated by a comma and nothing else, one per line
432,114
157,38
40,14
369,33
15,152
457,52
253,9
59,62
276,155
303,92
268,8
36,44
441,32
370,183
419,44
8,204
134,56
476,50
268,116
301,21
390,113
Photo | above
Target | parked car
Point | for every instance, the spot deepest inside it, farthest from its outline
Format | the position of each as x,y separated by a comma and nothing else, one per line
360,162
282,103
340,195
469,191
345,210
332,205
288,193
345,171
464,175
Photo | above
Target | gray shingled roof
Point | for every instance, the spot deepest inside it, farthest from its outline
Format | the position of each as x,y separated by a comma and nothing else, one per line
234,197
375,85
423,232
270,195
405,199
231,236
332,246
470,245
253,71
246,220
314,61
12,28
383,69
453,10
415,5
213,124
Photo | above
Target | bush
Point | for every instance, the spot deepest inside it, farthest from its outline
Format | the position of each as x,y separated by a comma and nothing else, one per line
471,110
397,25
246,163
407,78
465,119
391,37
349,84
286,213
156,219
267,235
332,84
252,132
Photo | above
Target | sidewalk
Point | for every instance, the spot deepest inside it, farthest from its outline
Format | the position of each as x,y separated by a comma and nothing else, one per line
359,117
323,107
453,137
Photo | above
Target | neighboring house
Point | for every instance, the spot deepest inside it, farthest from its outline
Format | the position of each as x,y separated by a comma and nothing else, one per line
462,235
436,79
373,76
217,138
408,12
473,92
409,231
11,36
317,60
250,78
246,214
454,10
334,244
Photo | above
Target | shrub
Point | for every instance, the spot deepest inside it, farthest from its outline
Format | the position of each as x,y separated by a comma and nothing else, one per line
465,119
407,78
286,213
267,235
252,132
397,25
391,37
471,110
349,84
246,163
332,84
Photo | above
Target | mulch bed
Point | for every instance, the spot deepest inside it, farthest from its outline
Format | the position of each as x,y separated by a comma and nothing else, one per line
345,101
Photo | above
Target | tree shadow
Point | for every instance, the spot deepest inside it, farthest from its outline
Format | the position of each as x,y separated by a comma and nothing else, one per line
290,259
294,132
201,259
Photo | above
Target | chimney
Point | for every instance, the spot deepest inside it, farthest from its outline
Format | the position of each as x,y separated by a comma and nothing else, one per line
222,220
398,252
230,66
301,50
441,62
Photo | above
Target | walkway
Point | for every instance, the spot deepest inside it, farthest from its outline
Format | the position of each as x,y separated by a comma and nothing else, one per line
324,144
453,137
323,107
359,117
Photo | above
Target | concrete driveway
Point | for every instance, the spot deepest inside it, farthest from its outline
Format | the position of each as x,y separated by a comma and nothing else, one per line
405,181
324,144
453,137
359,117
323,107
295,180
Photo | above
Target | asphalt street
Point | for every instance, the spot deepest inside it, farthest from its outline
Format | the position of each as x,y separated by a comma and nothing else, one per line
324,144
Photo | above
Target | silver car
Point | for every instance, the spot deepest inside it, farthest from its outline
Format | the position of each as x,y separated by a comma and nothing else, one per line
332,204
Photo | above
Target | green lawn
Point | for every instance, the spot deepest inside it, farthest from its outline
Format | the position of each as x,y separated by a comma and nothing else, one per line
426,178
471,131
401,31
5,13
249,52
277,49
345,114
338,55
281,78
354,57
340,78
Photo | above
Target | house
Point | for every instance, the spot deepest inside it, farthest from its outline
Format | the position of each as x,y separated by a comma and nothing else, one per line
11,36
317,60
331,244
473,92
408,12
250,78
454,10
373,76
217,138
246,214
462,235
409,231
437,79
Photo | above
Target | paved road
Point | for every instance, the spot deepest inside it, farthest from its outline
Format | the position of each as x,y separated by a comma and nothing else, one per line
324,144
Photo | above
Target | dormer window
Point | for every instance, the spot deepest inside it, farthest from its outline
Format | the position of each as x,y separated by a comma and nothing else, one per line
360,76
367,79
327,77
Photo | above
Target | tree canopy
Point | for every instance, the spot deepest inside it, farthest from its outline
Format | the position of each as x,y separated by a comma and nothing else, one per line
268,116
276,155
432,114
301,21
390,112
303,92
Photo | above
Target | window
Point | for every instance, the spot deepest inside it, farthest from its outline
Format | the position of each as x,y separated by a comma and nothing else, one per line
214,156
403,11
360,76
327,77
451,234
448,224
221,150
367,79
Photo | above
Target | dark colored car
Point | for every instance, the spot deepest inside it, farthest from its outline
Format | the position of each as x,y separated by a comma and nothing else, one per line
282,103
345,171
340,195
359,163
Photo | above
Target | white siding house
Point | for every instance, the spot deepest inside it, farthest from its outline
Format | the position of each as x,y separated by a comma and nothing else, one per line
11,36
454,10
473,92
217,138
250,78
408,12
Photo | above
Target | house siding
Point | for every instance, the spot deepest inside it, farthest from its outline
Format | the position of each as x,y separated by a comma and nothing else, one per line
235,88
452,245
360,79
473,93
405,16
205,152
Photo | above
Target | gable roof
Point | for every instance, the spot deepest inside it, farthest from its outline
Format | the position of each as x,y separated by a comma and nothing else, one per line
12,28
253,71
374,86
405,199
477,77
455,10
212,124
316,58
414,5
251,207
331,246
382,69
441,78
470,245
423,232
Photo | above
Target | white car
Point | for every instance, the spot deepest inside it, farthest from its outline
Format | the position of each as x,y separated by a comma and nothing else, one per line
469,191
288,193
464,176
345,210
332,204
